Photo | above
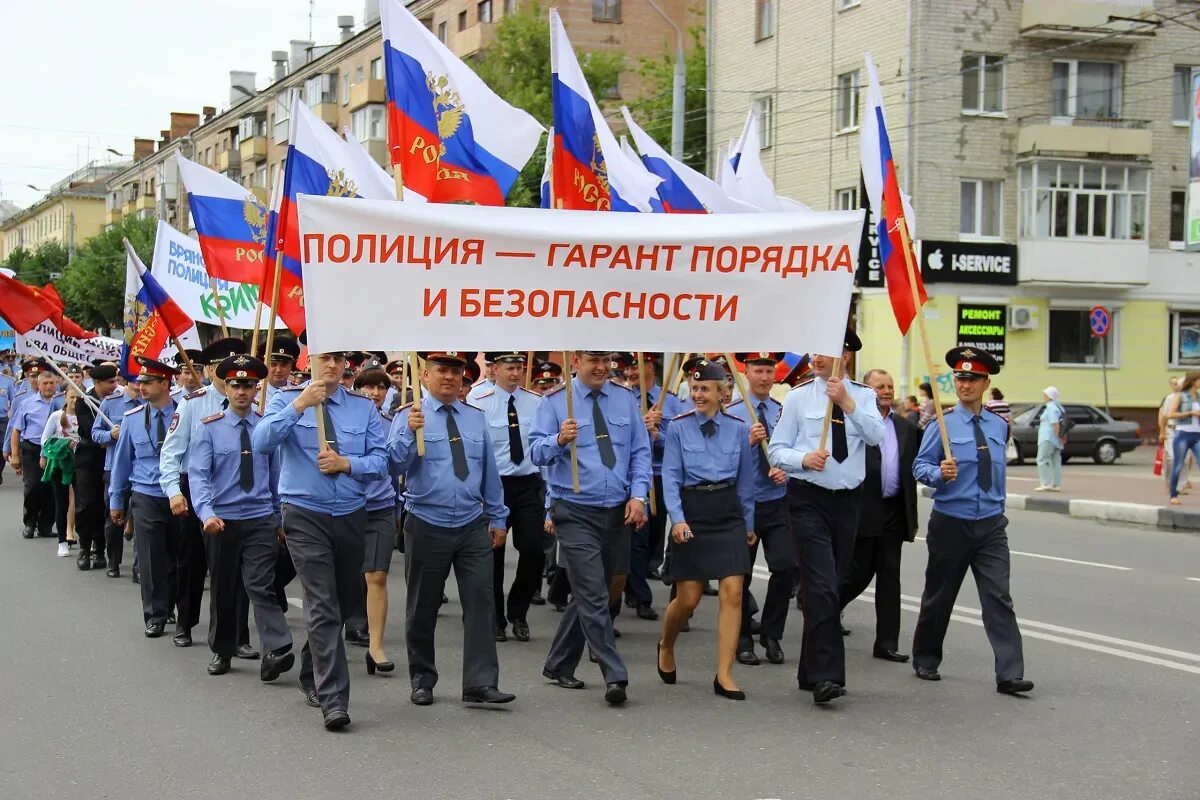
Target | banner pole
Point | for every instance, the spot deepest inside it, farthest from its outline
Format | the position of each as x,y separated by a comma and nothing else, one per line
571,415
257,324
50,361
262,398
187,362
916,297
398,175
744,387
416,403
645,409
528,369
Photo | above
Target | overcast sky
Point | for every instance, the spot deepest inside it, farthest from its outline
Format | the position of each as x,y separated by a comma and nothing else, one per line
81,76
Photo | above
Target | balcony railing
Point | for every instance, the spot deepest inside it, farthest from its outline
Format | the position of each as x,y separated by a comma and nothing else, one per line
1084,135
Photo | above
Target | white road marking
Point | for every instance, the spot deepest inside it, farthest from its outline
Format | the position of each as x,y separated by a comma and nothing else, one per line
1063,560
1197,580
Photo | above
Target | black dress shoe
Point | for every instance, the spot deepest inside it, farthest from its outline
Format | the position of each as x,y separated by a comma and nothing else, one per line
646,611
275,664
359,638
774,649
84,562
563,681
248,652
747,656
421,696
27,532
219,665
721,691
710,590
666,677
521,630
310,694
182,638
826,691
155,630
501,636
99,561
537,600
336,719
1014,686
890,655
113,572
614,694
487,694
927,674
382,666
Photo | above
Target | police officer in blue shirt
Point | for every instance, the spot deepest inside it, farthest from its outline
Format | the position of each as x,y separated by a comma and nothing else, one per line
135,469
772,522
967,528
27,385
280,362
237,500
105,432
26,426
8,388
824,494
323,490
592,524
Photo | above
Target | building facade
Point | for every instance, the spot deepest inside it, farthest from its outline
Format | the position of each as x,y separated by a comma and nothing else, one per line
1045,145
71,212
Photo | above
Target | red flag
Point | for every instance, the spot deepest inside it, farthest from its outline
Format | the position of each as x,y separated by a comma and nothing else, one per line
24,306
65,325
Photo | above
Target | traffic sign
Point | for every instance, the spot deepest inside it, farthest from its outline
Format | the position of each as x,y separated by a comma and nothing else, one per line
1100,320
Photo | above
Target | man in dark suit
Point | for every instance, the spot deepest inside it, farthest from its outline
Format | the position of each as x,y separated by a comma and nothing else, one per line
889,517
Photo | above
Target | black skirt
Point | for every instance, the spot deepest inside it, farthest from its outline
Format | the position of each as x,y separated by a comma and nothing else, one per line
718,546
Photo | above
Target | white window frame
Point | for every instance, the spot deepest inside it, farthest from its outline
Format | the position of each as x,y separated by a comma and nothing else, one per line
377,69
980,69
764,19
1112,350
361,121
1173,361
977,235
846,199
849,98
1186,73
1066,185
764,107
1073,87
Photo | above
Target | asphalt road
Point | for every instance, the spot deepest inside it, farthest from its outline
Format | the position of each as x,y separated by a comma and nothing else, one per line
92,709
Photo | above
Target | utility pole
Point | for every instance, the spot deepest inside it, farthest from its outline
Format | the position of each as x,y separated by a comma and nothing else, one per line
678,87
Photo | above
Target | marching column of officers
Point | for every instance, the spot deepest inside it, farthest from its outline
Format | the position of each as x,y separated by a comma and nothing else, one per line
326,481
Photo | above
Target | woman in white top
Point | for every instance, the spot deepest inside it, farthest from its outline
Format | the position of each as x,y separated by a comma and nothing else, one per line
1166,437
1185,410
59,438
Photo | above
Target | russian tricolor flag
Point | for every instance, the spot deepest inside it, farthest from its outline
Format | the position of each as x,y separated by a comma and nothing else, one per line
451,137
151,316
230,223
890,206
590,171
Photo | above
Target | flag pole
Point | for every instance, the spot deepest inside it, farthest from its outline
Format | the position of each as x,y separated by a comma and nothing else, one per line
262,397
528,368
50,362
220,309
645,409
678,381
257,323
398,175
571,415
744,387
906,242
415,384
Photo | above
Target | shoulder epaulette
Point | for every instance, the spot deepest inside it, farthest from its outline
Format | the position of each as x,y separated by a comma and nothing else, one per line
291,389
403,407
388,415
198,393
353,393
735,402
133,410
468,405
731,416
801,384
616,382
528,391
488,393
555,390
213,417
857,383
684,414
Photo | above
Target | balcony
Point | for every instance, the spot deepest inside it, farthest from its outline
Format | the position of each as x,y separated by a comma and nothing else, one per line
253,149
473,39
327,112
1108,262
260,194
112,216
1076,20
145,202
1042,135
229,160
367,92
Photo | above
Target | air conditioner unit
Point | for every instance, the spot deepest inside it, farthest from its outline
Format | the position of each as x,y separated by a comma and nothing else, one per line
1022,318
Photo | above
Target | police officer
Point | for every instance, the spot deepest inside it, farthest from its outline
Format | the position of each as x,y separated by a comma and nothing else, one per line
27,385
280,362
456,517
967,528
236,495
90,499
509,408
322,488
824,493
772,522
592,524
105,431
192,559
26,426
135,468
546,376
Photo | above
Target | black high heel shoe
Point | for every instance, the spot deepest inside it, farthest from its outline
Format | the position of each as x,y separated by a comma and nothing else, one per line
667,677
382,666
732,694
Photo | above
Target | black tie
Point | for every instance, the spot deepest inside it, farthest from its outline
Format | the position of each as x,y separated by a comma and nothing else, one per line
764,466
838,421
708,428
246,468
330,431
515,450
457,453
984,456
607,456
160,429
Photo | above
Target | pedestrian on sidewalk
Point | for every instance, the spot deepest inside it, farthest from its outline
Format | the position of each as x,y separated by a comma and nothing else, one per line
1185,410
1050,442
928,412
1166,435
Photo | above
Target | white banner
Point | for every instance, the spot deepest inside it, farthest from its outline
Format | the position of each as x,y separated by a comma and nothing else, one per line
179,267
46,339
398,276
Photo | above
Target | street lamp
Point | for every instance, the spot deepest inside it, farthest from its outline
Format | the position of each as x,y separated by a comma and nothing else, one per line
679,84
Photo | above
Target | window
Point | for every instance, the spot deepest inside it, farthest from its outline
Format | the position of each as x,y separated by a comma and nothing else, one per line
1178,208
764,19
1077,200
346,88
260,177
847,101
606,10
358,72
441,33
1070,341
980,207
844,4
321,89
846,199
1181,100
462,21
1089,89
1183,335
484,9
764,109
510,7
377,69
982,84
369,123
208,155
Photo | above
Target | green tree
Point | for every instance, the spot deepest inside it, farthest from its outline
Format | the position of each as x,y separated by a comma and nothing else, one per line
517,67
93,286
36,268
654,112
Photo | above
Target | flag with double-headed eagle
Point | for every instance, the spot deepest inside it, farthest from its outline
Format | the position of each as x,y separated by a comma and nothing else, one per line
450,136
151,317
231,223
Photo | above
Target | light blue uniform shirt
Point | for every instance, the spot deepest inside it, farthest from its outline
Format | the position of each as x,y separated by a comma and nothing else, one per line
135,460
480,388
962,497
765,489
22,390
194,407
216,471
31,415
799,433
598,485
383,493
360,439
692,459
8,388
671,408
494,405
114,407
431,489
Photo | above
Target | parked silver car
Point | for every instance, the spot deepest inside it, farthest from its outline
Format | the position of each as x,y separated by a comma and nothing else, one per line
1095,434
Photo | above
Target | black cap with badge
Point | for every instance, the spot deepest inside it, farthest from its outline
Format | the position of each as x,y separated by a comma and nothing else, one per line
222,349
241,370
706,370
966,362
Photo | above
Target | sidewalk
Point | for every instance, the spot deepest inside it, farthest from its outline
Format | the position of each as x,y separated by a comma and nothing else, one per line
1127,491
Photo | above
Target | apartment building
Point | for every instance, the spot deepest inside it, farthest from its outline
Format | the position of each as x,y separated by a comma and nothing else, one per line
71,212
1045,145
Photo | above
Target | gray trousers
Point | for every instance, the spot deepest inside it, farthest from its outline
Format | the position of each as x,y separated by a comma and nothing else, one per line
429,552
244,552
156,540
582,532
954,546
328,554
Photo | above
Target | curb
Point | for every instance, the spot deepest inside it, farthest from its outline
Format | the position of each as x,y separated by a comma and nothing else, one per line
1107,511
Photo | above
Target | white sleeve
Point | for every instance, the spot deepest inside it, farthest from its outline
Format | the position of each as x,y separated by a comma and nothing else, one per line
49,432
